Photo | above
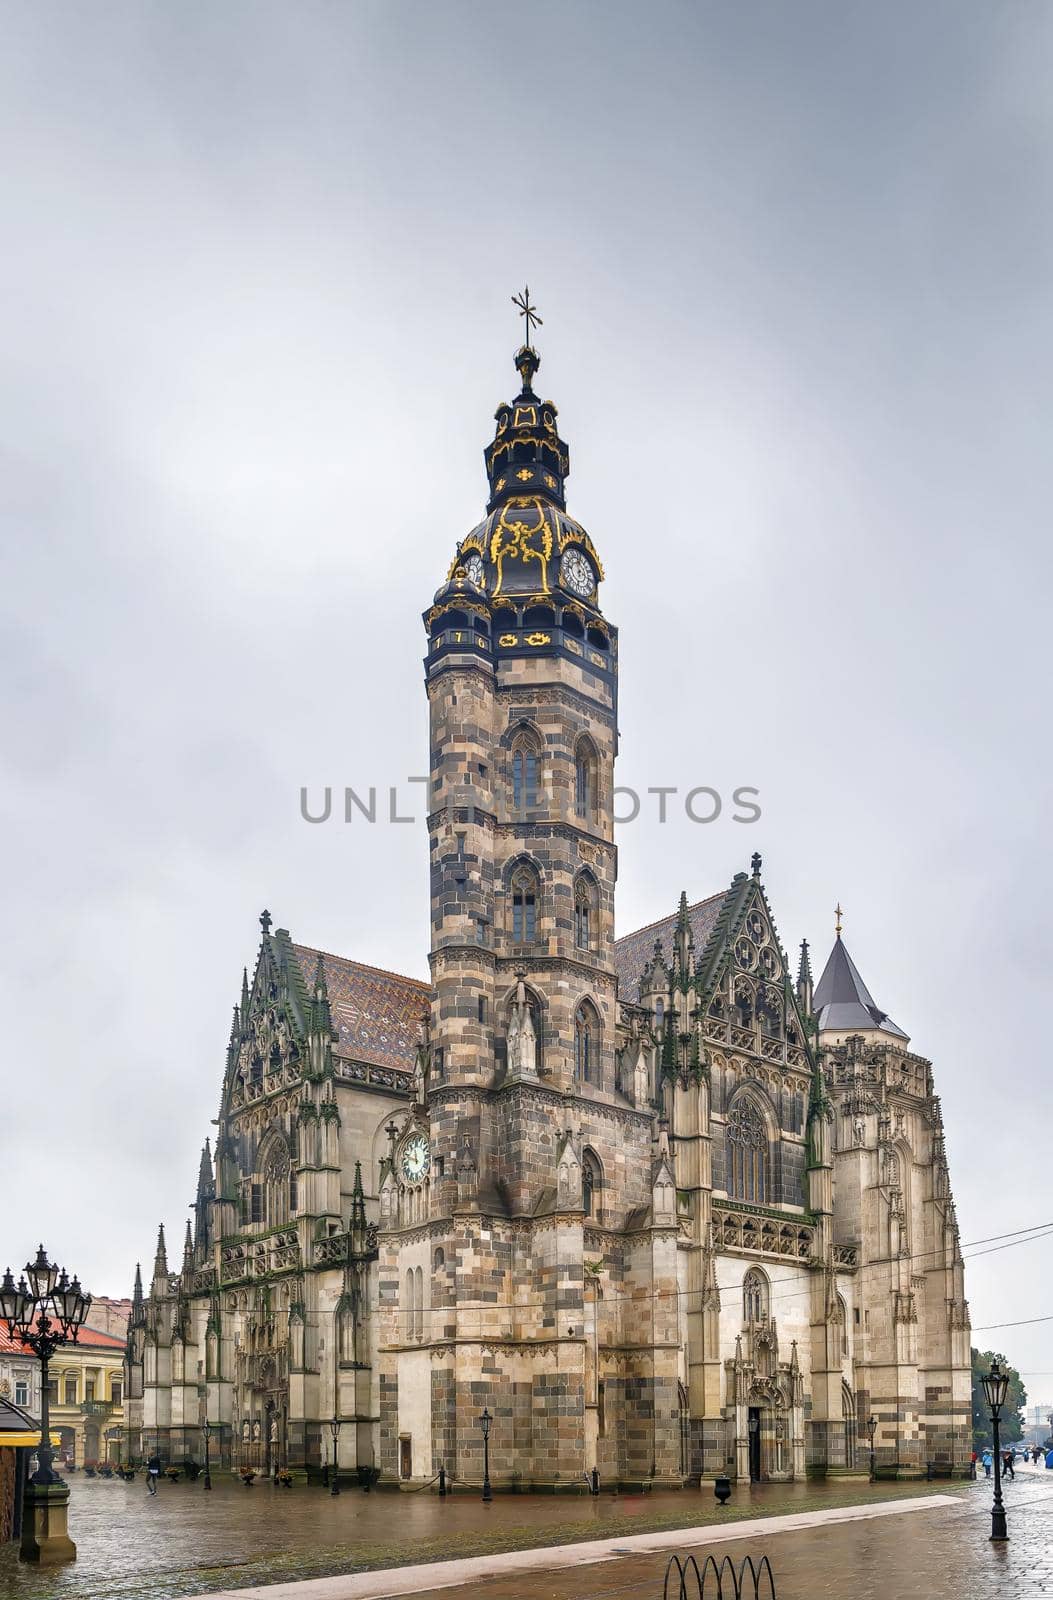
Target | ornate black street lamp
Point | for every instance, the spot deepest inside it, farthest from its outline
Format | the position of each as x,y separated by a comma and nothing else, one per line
44,1312
334,1429
206,1434
996,1387
872,1430
484,1422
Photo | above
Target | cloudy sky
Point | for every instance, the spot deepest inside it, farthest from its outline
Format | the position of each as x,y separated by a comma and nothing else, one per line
795,268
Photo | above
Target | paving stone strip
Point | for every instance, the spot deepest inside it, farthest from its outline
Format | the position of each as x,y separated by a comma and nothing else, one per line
437,1575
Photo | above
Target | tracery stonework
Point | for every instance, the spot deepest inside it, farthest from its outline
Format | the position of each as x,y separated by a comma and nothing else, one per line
587,1181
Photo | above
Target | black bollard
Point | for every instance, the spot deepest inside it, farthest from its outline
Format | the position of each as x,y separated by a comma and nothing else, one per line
594,1487
442,1482
722,1489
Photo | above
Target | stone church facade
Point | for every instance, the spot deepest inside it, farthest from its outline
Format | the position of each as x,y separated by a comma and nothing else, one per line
662,1207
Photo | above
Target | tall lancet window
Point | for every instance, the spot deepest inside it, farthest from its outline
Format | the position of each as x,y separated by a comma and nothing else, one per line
754,1296
586,1044
524,905
583,914
524,771
584,779
278,1184
746,1154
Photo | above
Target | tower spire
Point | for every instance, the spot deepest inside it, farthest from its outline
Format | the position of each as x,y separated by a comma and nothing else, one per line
161,1257
805,986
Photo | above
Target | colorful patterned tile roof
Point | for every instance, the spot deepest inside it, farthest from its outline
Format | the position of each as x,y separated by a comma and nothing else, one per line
377,1014
634,950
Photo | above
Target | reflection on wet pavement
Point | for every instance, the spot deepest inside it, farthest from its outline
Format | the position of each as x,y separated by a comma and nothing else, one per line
189,1542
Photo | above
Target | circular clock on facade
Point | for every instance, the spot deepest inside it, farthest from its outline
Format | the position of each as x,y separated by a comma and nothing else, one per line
415,1159
475,570
576,574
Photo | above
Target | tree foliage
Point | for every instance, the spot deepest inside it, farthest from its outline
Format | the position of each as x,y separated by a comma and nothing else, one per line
1011,1422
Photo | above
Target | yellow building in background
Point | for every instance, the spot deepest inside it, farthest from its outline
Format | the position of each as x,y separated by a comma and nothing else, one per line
86,1398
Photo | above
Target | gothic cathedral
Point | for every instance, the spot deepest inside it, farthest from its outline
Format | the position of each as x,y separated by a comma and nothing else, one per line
655,1206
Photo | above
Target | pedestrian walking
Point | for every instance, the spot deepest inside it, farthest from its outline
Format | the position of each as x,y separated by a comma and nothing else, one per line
153,1472
987,1460
1007,1462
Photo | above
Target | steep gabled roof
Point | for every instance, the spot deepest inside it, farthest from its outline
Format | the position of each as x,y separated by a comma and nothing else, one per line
378,1015
843,1003
634,950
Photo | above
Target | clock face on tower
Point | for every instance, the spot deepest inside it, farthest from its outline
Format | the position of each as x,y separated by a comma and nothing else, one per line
576,574
415,1159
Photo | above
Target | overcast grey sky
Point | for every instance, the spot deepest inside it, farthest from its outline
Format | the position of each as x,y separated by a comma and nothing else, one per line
795,265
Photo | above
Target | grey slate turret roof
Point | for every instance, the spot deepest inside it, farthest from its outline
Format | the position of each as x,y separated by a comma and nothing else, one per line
843,1003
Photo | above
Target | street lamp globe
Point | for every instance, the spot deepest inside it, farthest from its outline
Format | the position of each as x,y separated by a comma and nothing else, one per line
484,1422
206,1430
996,1387
43,1275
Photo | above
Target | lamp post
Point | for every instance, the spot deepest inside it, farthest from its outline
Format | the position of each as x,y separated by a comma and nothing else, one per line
996,1387
872,1430
44,1310
484,1422
334,1429
206,1434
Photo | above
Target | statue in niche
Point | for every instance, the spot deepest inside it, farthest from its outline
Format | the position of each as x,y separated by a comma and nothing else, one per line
522,1036
859,1132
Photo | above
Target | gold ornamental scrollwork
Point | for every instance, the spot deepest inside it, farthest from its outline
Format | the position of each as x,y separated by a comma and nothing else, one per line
522,532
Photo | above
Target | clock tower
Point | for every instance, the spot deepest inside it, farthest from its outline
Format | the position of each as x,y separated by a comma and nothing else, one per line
522,1144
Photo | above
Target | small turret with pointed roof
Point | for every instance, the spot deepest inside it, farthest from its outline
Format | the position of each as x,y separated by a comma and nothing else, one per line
805,986
843,1003
320,1034
138,1316
683,945
160,1277
357,1226
188,1250
244,997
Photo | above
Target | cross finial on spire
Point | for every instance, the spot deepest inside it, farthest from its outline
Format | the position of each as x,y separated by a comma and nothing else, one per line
527,311
265,921
838,913
755,863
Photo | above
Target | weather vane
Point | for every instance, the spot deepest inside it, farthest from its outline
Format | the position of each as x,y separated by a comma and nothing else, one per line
529,312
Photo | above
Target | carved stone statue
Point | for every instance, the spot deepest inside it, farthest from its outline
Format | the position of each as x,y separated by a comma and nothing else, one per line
522,1038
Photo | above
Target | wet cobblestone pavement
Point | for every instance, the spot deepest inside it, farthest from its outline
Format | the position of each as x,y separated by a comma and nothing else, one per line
943,1554
188,1542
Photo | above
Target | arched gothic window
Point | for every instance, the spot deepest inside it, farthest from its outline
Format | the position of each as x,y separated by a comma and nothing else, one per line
844,1324
584,778
586,1044
591,1183
754,1296
584,899
418,1304
746,1154
524,771
279,1184
524,904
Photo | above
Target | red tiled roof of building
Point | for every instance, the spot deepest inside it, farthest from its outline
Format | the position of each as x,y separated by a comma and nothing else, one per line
88,1339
